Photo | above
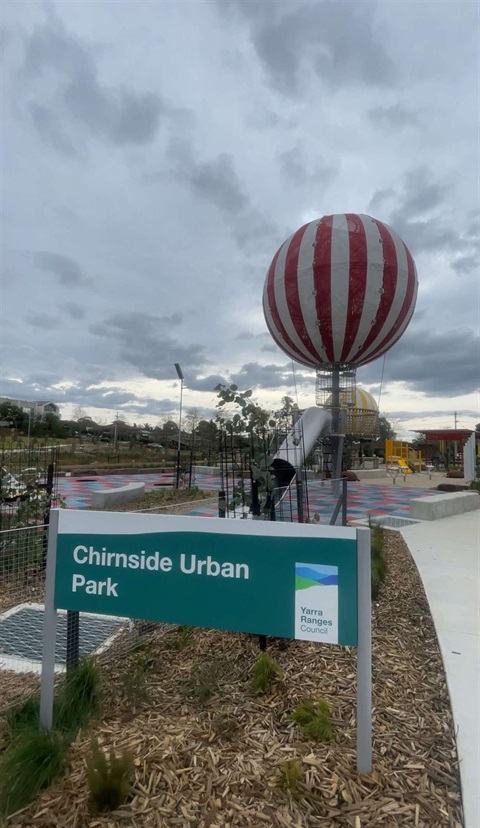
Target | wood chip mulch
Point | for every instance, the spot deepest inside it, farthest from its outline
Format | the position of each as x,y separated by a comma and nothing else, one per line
209,754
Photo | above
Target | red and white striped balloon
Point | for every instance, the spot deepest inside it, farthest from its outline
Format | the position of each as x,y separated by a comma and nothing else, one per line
342,289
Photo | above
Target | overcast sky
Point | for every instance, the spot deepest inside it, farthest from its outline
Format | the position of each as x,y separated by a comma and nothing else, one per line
156,154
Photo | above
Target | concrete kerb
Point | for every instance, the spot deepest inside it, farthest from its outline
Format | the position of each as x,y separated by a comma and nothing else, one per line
441,506
113,497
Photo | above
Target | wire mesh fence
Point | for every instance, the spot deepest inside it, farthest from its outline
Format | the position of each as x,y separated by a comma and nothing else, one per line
22,595
28,484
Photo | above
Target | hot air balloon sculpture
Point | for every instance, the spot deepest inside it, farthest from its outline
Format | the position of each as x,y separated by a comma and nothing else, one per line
339,293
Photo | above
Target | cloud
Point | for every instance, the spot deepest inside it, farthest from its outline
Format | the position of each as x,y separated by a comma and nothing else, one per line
421,193
338,41
43,320
297,170
216,181
397,116
145,341
67,271
441,363
44,385
420,213
63,72
254,375
74,310
208,383
282,112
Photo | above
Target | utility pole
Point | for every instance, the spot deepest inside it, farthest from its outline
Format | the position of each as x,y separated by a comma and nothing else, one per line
455,447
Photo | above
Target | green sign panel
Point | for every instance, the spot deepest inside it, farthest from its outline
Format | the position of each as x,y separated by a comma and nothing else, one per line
287,580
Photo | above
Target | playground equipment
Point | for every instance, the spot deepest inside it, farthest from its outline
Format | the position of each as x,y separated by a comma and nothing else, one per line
403,456
361,415
338,294
286,467
291,456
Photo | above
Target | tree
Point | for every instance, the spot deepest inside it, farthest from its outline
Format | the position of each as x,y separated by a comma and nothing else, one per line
239,416
50,426
13,415
192,418
79,413
285,414
387,429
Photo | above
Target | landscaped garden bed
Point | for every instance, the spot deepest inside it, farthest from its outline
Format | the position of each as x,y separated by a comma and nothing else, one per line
208,750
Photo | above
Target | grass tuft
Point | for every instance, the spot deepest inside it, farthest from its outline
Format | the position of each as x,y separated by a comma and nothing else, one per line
180,638
109,779
290,775
77,699
204,681
35,759
315,719
24,716
265,671
377,554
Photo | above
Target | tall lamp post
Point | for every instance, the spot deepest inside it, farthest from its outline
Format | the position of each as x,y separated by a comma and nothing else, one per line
181,378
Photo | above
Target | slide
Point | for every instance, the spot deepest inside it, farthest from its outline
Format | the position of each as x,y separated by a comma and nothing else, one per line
292,453
399,461
297,446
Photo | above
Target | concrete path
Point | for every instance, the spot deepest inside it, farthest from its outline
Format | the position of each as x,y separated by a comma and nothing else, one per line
447,554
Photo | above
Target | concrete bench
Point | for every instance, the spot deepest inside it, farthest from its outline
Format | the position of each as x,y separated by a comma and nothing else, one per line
370,474
113,497
443,505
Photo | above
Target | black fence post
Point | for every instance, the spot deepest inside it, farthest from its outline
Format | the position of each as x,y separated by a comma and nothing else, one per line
73,639
344,501
299,486
221,504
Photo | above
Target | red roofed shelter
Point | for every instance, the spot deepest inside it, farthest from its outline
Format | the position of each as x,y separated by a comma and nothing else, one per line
434,437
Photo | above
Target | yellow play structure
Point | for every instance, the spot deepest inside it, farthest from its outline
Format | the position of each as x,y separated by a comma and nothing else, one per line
398,453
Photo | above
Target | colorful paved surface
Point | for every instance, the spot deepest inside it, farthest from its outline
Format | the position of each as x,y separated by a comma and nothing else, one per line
363,499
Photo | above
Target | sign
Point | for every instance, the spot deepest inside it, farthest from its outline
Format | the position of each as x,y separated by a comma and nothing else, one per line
279,579
286,580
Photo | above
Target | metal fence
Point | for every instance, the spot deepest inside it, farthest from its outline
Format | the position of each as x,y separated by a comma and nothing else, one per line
22,596
22,586
28,483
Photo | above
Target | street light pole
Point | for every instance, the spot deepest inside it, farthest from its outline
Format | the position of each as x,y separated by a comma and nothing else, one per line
181,378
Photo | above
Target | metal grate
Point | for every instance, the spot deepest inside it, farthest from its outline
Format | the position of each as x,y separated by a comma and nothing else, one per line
21,632
392,522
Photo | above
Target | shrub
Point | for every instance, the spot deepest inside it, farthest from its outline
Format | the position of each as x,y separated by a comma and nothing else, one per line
265,671
315,719
109,779
29,766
